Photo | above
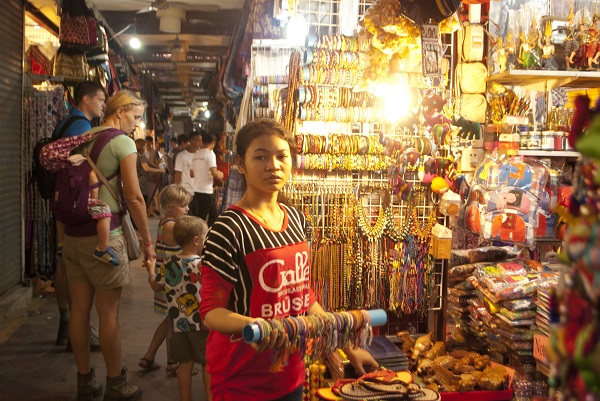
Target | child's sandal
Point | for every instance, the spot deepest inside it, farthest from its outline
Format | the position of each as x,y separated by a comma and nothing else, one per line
148,365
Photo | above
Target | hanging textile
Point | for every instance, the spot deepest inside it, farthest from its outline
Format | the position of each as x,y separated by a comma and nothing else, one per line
45,108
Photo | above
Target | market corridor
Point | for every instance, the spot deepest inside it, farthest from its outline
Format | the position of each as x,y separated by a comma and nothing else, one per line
33,368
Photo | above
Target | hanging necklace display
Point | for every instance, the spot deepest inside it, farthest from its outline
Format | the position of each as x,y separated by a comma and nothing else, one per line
374,232
291,105
411,268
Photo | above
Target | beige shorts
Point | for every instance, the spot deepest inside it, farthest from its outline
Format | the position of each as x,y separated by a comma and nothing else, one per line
83,266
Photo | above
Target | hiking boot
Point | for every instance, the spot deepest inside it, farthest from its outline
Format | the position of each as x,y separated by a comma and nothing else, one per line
87,386
117,389
62,337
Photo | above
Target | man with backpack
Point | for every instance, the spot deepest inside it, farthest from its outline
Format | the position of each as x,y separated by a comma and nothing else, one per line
90,101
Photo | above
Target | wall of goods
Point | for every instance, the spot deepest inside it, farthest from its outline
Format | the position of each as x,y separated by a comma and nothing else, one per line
54,63
508,184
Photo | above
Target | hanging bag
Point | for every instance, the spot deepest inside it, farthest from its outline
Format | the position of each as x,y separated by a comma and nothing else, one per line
77,25
72,67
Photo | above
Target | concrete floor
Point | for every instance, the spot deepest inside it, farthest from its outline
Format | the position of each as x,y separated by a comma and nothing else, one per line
33,368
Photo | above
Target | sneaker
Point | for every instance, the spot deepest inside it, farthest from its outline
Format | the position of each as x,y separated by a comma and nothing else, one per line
107,256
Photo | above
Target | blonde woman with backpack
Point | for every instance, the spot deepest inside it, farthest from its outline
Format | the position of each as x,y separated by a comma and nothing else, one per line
90,278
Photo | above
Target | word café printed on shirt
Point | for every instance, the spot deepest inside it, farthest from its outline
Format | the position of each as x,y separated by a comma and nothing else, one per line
281,279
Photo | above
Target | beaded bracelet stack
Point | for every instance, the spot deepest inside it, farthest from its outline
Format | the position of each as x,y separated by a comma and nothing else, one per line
317,335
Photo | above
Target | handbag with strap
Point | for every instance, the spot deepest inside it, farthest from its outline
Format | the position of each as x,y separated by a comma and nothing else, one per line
78,26
72,67
134,249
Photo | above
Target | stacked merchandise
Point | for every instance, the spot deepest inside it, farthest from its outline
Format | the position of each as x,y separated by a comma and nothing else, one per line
542,321
508,291
463,317
492,306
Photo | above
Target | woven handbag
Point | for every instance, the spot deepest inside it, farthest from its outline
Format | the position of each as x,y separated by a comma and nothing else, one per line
78,26
72,67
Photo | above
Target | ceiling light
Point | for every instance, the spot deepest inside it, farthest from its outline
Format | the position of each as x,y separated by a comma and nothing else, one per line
207,114
135,43
297,29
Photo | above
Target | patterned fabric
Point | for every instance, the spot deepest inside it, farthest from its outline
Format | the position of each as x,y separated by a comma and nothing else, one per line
38,62
45,108
98,209
78,25
54,155
181,279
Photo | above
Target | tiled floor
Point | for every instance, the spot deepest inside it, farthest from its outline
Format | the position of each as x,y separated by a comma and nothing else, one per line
33,368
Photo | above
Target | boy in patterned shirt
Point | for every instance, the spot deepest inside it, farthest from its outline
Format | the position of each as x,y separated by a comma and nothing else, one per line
180,277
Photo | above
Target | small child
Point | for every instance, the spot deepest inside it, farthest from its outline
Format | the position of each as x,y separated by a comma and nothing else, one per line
180,278
100,212
175,203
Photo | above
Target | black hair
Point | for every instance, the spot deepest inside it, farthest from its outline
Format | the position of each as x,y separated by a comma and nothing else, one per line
207,137
256,128
182,138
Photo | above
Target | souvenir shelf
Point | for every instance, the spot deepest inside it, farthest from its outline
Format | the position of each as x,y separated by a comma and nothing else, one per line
545,80
341,182
549,153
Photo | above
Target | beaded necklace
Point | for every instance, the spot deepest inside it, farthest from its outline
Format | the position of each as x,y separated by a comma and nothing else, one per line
374,232
291,106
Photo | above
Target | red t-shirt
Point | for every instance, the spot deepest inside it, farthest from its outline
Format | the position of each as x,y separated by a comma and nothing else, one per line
256,272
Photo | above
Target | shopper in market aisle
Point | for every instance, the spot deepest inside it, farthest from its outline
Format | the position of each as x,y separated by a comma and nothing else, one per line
175,200
89,278
180,278
203,172
240,248
181,143
183,165
90,99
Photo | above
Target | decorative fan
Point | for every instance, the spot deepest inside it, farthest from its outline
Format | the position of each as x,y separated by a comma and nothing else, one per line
161,5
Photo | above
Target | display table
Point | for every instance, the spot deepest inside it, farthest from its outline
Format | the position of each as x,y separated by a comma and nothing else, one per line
500,395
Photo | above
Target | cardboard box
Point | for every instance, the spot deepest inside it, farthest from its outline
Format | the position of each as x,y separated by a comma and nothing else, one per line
441,242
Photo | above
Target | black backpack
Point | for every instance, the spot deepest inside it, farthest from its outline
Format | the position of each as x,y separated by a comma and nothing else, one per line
43,178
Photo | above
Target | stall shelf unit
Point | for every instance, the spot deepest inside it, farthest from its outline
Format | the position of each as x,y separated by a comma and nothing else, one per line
268,84
544,80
